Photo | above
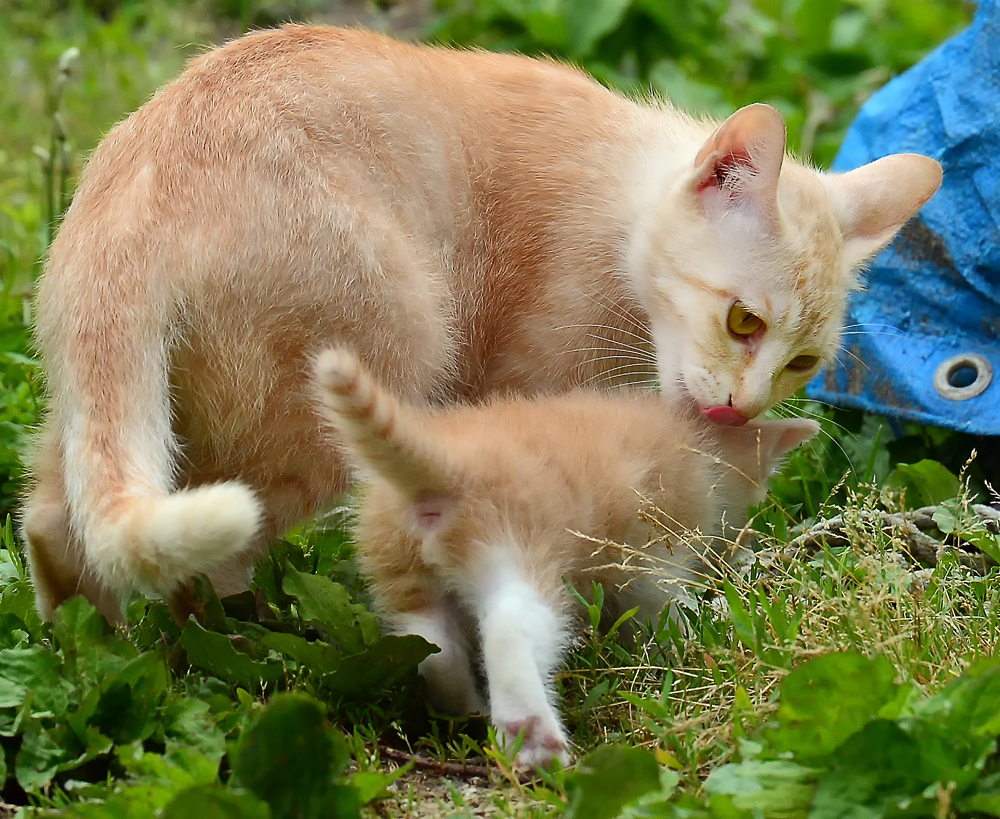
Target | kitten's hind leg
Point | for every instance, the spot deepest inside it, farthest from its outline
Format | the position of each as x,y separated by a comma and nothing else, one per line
523,643
451,685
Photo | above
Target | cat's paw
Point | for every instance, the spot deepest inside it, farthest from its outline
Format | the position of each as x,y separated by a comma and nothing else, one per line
544,741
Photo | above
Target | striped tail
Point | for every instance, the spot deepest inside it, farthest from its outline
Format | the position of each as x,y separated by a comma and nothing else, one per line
382,435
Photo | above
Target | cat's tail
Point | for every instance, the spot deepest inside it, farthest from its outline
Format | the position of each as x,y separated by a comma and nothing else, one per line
104,330
380,433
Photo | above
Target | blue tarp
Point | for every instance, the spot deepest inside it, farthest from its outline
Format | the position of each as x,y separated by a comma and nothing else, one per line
935,292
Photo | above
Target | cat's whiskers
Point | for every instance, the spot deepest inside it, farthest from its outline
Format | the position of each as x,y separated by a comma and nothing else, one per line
609,379
642,352
645,341
785,411
855,356
864,327
615,308
624,355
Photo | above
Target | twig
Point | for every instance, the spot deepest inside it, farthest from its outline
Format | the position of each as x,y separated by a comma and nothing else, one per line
440,768
910,527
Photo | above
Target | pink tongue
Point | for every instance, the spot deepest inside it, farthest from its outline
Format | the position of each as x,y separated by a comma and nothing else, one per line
724,416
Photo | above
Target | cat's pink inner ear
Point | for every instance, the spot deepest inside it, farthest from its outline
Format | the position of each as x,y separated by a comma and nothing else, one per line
742,160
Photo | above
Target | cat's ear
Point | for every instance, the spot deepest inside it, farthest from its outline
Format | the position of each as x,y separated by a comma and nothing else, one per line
741,161
873,202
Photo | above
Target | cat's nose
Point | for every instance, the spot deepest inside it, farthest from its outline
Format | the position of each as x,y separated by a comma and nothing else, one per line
725,416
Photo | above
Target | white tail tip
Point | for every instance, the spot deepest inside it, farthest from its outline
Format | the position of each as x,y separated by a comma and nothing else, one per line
160,542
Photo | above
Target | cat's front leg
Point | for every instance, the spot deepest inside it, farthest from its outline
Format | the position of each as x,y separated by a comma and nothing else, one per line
523,642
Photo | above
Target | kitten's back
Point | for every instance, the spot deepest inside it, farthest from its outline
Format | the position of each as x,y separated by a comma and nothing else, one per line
516,469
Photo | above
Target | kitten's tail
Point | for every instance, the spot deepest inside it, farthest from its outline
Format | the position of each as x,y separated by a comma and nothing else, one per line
105,336
379,432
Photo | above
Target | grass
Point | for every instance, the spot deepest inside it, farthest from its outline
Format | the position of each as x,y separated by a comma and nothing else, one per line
287,702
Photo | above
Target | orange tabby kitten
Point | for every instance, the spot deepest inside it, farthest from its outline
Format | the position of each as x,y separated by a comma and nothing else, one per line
469,222
468,523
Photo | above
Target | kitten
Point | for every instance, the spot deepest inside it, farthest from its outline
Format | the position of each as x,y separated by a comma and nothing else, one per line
472,517
468,222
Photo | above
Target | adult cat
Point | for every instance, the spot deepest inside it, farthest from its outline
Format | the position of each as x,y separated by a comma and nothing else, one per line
468,524
468,222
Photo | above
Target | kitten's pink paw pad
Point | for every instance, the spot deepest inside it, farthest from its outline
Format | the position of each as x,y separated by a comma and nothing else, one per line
543,741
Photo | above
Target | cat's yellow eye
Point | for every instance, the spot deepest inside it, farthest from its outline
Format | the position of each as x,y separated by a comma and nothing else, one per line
801,363
742,322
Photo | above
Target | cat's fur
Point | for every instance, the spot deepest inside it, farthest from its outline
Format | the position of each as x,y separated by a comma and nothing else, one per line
469,222
473,516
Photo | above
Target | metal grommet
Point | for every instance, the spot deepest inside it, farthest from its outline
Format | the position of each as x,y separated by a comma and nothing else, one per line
963,376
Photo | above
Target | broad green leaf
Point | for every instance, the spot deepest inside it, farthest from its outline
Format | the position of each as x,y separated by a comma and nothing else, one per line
38,759
814,19
155,780
686,92
204,597
189,723
215,653
372,784
179,768
319,658
589,20
827,699
18,599
44,753
378,668
88,645
328,604
215,802
925,483
970,704
123,705
13,631
771,787
11,694
952,517
608,779
984,797
877,767
40,672
290,758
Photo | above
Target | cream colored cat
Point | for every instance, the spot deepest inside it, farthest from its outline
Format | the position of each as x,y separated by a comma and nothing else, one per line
468,222
469,524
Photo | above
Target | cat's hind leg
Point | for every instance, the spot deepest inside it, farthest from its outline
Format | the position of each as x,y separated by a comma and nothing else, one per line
451,684
523,642
56,558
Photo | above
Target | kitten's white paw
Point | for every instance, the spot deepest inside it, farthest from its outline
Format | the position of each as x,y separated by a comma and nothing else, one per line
544,740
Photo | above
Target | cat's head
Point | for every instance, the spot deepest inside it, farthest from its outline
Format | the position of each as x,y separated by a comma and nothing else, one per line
744,263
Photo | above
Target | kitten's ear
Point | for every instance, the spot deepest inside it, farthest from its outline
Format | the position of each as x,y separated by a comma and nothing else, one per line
780,437
873,202
741,161
759,447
